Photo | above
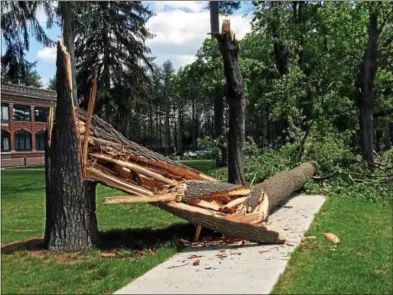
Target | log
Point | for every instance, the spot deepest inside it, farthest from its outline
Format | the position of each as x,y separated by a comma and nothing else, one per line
280,186
219,223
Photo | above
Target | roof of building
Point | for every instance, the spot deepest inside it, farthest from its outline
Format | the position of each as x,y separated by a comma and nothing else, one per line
27,91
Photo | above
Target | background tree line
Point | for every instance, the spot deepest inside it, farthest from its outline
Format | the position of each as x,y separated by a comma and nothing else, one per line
313,72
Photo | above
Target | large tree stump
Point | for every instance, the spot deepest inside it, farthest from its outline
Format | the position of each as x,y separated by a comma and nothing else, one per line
71,222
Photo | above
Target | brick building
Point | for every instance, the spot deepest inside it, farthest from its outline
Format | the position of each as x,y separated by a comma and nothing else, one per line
24,113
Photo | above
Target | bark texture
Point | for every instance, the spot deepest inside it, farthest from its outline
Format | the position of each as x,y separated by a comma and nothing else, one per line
229,49
281,185
227,227
71,222
196,189
365,95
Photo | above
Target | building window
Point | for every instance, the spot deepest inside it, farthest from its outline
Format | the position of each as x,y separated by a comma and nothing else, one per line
22,141
40,140
21,113
4,112
41,114
5,141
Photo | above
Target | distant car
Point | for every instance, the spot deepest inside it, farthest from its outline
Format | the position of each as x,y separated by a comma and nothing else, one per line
190,154
204,152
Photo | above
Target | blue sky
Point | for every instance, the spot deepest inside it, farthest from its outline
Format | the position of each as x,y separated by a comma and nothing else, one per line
180,28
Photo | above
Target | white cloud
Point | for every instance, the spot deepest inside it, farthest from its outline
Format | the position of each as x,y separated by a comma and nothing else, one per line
45,81
193,6
180,34
48,54
41,15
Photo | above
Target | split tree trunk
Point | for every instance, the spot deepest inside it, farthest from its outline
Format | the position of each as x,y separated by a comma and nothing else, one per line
68,36
229,49
71,222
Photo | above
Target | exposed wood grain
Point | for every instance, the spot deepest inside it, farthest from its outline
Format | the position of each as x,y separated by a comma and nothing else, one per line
90,110
138,199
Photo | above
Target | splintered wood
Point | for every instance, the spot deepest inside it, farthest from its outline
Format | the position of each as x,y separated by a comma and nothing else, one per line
149,177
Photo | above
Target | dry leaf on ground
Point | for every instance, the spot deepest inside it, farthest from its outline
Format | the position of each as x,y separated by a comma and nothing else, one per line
196,262
193,256
108,255
332,238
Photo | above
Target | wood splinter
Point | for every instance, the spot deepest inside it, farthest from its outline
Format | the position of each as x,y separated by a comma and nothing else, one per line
139,199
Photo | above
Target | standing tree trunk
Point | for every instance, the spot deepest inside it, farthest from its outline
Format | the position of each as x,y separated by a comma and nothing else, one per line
167,126
71,222
180,130
221,160
229,48
365,90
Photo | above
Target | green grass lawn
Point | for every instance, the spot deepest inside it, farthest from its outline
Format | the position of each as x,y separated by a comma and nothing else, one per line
125,228
361,263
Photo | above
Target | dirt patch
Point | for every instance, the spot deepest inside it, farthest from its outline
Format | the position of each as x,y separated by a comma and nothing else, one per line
31,244
35,249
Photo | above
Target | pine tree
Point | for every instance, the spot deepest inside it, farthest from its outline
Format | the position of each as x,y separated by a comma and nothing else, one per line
18,19
110,37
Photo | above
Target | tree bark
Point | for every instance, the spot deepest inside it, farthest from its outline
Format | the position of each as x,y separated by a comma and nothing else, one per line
167,125
180,130
365,89
221,161
71,222
226,227
237,107
281,51
280,186
387,138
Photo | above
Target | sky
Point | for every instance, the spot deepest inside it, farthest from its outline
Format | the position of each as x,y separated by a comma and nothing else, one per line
180,27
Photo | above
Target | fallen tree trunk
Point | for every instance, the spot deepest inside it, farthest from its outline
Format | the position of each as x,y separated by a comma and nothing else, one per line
280,186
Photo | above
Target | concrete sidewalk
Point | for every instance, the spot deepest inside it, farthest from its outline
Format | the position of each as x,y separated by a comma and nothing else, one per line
249,269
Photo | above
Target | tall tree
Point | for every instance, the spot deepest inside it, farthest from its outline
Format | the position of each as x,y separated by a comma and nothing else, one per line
111,39
18,20
52,83
364,85
167,72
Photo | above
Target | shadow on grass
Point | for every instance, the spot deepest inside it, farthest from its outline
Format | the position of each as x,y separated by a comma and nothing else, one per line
130,239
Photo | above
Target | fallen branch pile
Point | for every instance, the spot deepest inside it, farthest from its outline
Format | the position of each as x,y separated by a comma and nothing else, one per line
237,211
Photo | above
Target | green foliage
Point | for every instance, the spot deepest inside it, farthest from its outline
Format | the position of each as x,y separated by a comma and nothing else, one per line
18,20
112,39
